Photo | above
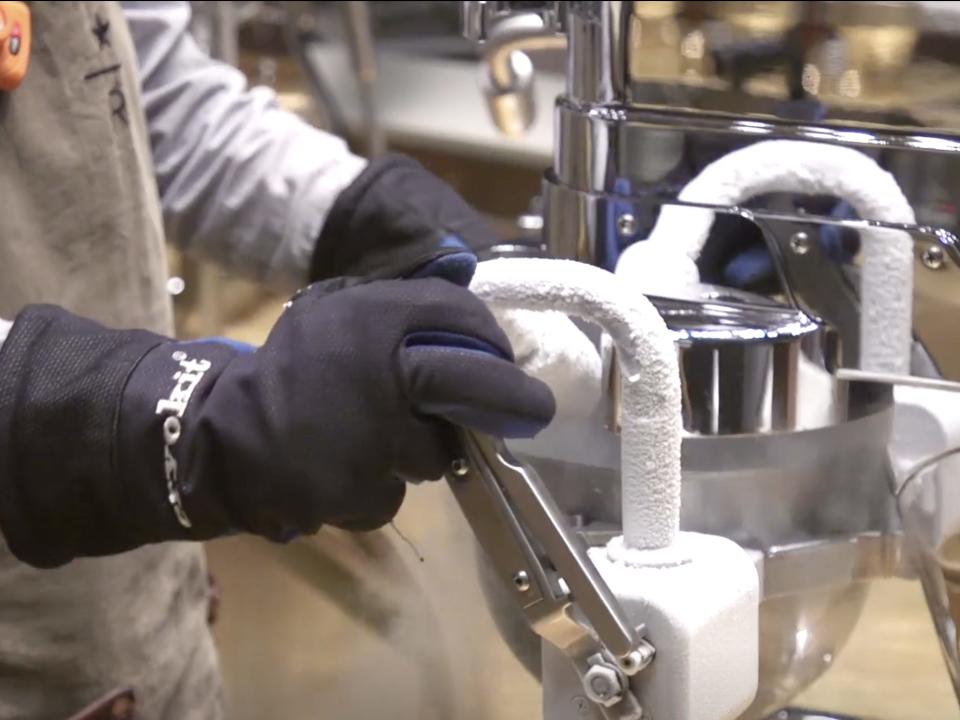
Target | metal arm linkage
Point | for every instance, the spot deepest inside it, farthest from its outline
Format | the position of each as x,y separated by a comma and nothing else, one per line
561,594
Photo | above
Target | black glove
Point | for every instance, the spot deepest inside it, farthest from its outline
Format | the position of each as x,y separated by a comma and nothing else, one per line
113,439
399,220
735,253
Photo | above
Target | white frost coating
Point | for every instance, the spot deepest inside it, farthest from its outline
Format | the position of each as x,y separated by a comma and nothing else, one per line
651,420
701,616
677,553
805,168
550,347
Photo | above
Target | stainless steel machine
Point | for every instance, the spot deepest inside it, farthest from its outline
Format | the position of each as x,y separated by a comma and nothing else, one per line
654,92
809,493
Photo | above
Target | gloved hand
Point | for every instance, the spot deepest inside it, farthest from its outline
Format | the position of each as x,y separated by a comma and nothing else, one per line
113,439
399,220
736,255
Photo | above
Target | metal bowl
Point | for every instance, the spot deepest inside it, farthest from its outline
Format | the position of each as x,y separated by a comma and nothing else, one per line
800,635
815,506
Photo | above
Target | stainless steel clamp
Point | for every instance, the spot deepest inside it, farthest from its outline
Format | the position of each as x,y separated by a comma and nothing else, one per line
561,594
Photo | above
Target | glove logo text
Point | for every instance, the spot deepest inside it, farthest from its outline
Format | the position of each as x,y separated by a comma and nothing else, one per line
173,407
188,377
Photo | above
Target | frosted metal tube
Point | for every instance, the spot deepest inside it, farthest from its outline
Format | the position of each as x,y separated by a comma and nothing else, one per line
651,410
805,168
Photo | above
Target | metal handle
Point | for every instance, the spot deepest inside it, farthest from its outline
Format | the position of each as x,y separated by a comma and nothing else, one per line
854,375
540,513
478,17
503,501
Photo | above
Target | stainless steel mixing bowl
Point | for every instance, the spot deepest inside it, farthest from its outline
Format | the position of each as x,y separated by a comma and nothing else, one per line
800,635
927,501
814,505
360,627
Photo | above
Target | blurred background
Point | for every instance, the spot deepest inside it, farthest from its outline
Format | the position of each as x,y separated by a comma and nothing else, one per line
383,624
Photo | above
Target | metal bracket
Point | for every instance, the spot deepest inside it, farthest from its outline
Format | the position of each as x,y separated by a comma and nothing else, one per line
562,596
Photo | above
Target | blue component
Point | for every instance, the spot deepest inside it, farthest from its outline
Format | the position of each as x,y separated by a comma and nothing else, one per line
611,240
750,266
484,420
457,267
487,421
807,109
242,347
439,339
754,264
832,239
452,242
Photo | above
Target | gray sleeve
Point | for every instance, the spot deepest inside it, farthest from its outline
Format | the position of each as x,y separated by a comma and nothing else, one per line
241,181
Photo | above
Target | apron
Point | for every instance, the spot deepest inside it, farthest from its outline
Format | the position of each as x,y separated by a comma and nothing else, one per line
80,227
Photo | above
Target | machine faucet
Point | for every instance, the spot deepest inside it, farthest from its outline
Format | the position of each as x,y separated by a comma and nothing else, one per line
507,75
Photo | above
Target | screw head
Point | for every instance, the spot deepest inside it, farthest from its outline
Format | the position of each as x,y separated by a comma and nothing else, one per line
459,467
521,581
800,243
626,225
932,257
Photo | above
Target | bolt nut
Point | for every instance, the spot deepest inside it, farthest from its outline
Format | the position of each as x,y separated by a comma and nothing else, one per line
521,581
626,225
638,660
459,467
932,257
800,243
602,685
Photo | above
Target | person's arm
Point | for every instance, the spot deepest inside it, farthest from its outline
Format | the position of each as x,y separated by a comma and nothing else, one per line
241,180
255,187
111,439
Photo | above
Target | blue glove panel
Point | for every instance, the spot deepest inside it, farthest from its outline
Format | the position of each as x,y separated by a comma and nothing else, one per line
430,355
458,268
237,345
751,266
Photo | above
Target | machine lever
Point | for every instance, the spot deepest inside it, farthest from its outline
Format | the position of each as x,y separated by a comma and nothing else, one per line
529,542
855,375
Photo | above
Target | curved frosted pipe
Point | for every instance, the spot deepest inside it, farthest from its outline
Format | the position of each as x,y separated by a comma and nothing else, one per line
886,293
651,410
